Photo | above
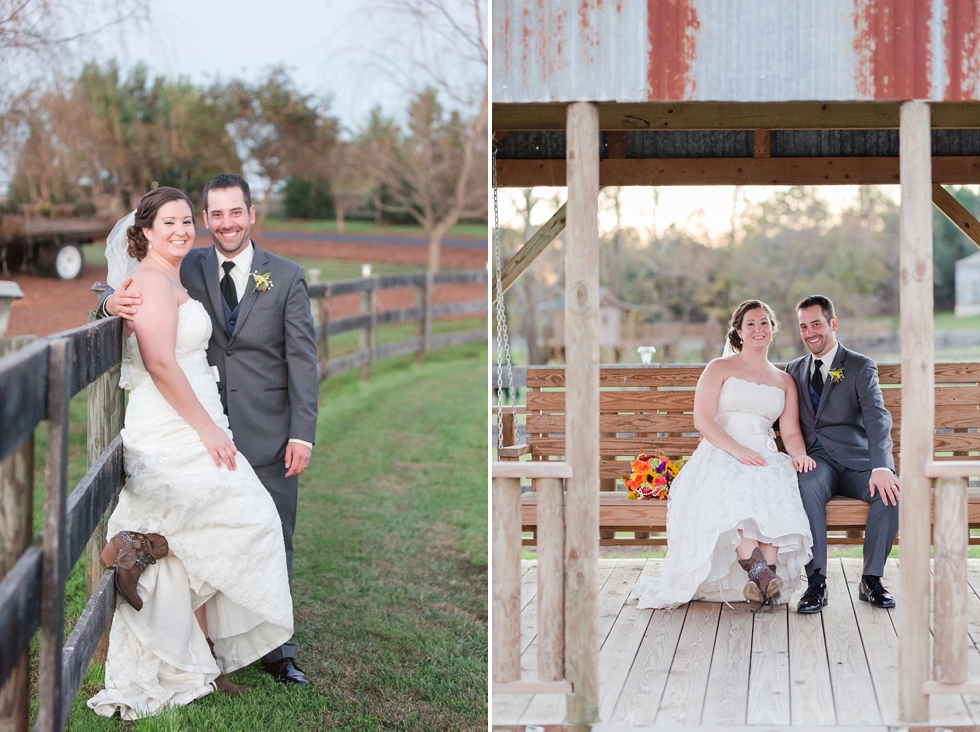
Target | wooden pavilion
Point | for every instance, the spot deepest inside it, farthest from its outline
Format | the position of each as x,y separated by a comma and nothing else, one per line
733,92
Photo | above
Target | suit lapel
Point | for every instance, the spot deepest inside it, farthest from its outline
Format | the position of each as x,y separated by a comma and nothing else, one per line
209,270
801,369
259,261
829,386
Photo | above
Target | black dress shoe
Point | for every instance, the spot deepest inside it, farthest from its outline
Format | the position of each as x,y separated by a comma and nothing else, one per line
285,671
814,599
871,590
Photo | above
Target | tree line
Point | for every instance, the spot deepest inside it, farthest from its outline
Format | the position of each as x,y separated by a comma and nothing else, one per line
107,136
781,249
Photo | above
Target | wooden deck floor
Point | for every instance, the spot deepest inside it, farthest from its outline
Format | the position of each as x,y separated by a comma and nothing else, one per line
717,666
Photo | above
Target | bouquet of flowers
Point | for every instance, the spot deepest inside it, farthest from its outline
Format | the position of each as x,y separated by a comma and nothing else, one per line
650,478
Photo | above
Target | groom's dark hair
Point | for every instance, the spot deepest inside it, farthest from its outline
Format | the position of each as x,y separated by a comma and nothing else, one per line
224,181
826,306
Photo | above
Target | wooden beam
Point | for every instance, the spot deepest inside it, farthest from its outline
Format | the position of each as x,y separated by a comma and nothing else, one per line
538,242
950,588
617,145
582,402
918,398
733,115
956,213
533,469
761,143
737,171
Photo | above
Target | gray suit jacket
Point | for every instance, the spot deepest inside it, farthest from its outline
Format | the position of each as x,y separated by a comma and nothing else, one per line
850,421
268,366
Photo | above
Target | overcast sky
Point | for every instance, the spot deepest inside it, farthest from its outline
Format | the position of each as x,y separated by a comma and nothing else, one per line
357,52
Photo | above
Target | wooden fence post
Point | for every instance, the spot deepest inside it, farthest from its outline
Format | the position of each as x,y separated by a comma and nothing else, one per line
16,532
324,336
951,533
55,570
106,407
918,398
506,509
369,335
423,297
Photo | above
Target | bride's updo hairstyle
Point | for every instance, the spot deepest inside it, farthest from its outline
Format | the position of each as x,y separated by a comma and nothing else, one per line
735,324
146,213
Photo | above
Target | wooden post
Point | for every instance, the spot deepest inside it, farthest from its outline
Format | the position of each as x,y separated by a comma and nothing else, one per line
324,336
364,336
506,579
55,569
551,579
582,412
106,404
425,326
16,532
950,587
918,398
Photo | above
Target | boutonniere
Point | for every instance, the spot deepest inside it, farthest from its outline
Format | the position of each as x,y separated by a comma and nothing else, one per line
263,281
836,375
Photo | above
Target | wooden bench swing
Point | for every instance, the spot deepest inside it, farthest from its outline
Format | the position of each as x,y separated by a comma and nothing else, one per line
650,409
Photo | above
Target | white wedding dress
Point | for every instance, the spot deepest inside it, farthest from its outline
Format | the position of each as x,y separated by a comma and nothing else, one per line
714,495
226,536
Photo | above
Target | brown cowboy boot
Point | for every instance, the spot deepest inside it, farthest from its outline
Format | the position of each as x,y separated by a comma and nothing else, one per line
131,553
763,584
223,682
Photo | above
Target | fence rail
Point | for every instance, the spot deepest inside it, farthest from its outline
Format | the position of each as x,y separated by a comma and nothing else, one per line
36,384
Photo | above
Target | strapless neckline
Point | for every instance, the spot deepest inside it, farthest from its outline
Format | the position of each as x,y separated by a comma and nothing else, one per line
754,383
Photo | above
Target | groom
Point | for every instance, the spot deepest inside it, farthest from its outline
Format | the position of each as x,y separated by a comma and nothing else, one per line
262,344
848,433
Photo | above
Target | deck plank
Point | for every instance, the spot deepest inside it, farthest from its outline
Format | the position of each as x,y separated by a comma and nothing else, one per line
854,693
769,697
878,632
644,687
728,680
811,693
683,698
619,650
615,577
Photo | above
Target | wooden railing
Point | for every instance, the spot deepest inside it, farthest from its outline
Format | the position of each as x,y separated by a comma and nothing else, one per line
36,384
548,479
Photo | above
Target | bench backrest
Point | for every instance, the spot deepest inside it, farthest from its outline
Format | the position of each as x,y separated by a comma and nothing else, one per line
645,408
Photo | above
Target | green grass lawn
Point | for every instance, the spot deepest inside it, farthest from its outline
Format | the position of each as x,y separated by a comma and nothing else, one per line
390,594
368,227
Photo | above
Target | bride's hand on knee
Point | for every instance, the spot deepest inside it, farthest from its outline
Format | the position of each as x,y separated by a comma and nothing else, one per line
220,446
747,456
804,463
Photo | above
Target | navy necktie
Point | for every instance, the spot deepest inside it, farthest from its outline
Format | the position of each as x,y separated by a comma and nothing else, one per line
228,289
816,381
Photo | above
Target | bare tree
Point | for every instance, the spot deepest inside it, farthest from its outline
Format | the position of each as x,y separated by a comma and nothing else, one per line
437,173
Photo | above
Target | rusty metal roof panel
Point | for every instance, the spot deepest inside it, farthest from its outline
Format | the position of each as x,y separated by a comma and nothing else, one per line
735,50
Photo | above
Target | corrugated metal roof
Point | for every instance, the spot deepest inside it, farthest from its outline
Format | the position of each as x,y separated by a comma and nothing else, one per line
735,50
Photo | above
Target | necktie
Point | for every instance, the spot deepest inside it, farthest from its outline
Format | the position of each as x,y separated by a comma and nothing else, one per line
816,381
228,288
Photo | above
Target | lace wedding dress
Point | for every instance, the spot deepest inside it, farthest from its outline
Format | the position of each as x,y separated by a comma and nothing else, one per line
714,495
226,536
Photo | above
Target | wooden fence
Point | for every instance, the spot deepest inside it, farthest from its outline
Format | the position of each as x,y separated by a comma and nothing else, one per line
37,382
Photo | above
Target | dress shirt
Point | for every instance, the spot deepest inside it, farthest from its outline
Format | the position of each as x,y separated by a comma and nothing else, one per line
826,361
241,273
242,270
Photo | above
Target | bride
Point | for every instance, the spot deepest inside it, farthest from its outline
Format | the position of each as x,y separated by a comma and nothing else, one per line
735,521
197,546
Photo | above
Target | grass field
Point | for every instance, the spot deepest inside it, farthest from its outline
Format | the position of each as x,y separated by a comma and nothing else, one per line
391,559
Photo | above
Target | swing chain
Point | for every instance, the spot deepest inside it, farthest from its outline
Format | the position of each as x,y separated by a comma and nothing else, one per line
503,342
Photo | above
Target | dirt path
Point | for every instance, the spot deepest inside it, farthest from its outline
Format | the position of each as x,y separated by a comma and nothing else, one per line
51,305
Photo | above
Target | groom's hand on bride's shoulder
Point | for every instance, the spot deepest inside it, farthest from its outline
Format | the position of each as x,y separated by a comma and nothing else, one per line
124,301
